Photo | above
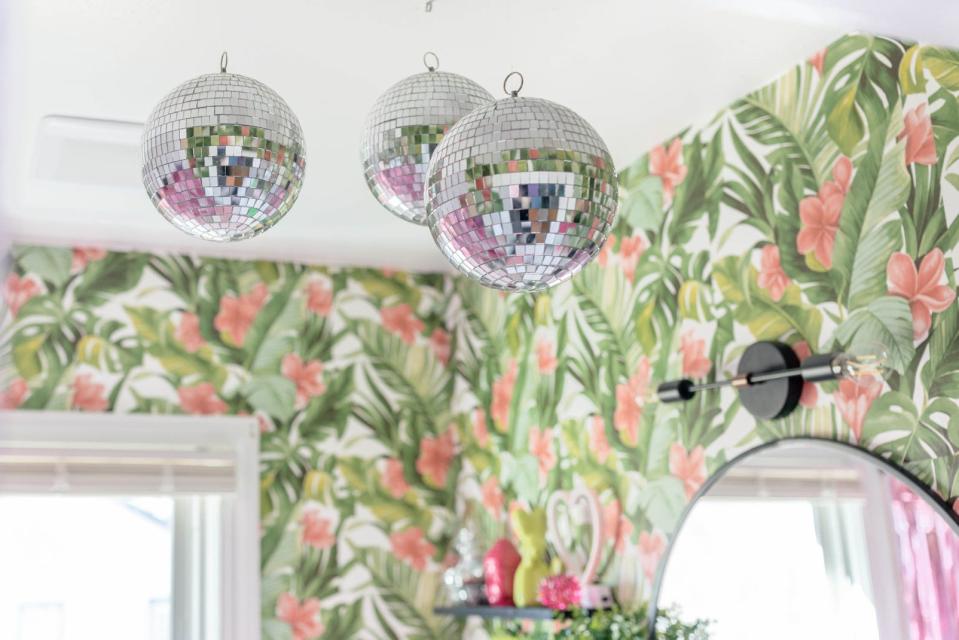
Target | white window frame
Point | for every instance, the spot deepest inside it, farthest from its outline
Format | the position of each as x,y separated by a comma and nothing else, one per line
233,528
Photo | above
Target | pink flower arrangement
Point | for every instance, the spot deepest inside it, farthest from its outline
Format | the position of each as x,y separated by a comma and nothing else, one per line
854,398
82,256
693,350
188,332
201,400
546,357
503,396
17,291
598,443
920,143
668,165
303,617
772,278
560,592
88,395
440,343
308,377
541,446
237,313
492,497
14,395
630,251
818,60
688,466
393,478
410,546
920,287
651,547
436,456
629,403
319,298
480,431
820,214
401,321
317,531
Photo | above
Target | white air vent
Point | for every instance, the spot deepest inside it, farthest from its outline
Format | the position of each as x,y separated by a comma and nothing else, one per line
88,151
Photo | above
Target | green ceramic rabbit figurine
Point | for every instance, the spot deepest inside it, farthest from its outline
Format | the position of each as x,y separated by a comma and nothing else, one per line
530,528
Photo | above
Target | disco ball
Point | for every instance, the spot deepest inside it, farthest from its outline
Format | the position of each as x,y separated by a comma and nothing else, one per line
521,194
405,126
223,156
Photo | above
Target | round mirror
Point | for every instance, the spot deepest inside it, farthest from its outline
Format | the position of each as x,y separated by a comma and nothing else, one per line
811,539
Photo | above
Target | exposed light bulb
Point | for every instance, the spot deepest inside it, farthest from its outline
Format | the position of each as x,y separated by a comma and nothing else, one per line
862,360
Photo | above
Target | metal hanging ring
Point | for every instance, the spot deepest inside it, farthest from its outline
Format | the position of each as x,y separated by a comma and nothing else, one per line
223,60
513,92
430,56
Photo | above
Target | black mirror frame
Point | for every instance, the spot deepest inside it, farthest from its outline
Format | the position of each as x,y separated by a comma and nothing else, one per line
943,508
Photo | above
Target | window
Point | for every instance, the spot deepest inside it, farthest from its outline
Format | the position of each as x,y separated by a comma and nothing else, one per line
128,527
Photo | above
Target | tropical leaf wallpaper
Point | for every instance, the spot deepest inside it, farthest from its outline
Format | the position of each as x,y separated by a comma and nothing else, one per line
819,210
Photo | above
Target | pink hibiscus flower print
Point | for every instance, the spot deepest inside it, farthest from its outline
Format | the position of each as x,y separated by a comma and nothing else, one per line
541,446
188,332
319,298
82,256
201,400
308,377
88,395
598,443
818,60
854,398
436,456
546,357
693,350
492,497
480,431
14,395
772,278
237,314
303,617
440,343
920,143
629,403
616,527
810,394
393,478
317,529
410,545
630,251
820,222
17,291
921,287
841,179
603,256
503,396
401,321
689,467
668,165
651,547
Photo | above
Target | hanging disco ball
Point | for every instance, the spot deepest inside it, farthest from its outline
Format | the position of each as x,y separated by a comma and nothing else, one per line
521,194
405,126
223,156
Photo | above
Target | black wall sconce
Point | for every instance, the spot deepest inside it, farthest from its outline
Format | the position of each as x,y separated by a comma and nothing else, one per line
770,376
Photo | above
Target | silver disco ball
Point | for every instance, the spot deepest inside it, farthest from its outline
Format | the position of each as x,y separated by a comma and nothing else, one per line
405,126
223,156
521,194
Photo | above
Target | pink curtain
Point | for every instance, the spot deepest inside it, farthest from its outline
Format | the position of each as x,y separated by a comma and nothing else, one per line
929,557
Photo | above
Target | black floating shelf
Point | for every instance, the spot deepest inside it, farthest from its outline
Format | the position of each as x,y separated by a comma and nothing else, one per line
516,613
526,613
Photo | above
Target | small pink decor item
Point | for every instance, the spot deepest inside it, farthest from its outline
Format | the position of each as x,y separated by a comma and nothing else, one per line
579,505
499,567
560,592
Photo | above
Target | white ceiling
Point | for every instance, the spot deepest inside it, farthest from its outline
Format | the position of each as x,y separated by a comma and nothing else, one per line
638,70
